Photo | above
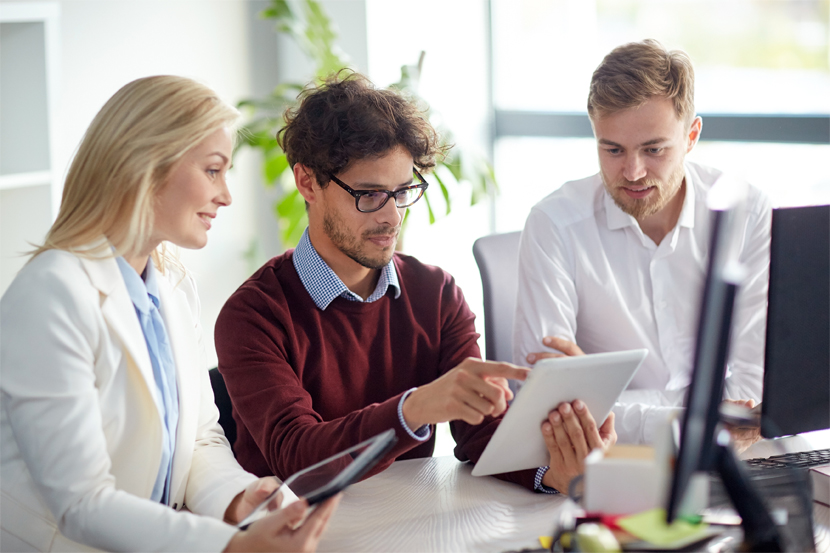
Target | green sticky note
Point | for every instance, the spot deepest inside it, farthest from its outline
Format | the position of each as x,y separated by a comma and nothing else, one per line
650,526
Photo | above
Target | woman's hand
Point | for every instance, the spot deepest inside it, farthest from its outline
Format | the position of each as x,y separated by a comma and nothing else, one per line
280,531
249,499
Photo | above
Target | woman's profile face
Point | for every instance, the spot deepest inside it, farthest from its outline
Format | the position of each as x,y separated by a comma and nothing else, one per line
194,192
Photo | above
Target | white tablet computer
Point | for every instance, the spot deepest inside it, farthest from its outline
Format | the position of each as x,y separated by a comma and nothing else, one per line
597,379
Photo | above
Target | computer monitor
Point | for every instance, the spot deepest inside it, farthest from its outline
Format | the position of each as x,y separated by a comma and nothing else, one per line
797,361
703,446
696,452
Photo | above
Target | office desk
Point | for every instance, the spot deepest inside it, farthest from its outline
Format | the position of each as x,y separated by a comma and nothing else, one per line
436,505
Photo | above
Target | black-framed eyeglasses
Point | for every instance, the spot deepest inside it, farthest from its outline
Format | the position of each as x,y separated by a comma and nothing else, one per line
367,201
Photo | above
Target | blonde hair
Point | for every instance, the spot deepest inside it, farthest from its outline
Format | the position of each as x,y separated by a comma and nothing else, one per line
633,73
125,158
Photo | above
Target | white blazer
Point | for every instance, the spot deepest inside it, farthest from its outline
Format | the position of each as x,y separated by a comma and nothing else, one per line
80,431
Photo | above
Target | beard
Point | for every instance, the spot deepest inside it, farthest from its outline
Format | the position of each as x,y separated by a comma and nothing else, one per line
355,248
640,208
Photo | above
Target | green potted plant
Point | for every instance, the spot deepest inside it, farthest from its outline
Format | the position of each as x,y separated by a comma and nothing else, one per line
306,22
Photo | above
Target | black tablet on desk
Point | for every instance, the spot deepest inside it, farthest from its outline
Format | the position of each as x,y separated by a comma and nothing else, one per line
327,478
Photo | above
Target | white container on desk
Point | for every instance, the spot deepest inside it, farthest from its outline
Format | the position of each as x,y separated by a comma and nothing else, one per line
630,479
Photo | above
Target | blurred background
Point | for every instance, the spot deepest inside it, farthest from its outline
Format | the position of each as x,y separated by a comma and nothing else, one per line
508,78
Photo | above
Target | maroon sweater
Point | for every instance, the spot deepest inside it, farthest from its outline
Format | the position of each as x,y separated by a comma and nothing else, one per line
306,384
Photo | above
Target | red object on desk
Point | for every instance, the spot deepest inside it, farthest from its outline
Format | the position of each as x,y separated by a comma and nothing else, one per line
608,520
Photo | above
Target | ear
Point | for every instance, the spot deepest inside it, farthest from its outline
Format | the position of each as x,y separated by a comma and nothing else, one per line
694,133
305,180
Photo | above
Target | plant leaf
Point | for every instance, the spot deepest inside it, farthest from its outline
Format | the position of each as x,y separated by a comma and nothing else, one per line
444,191
429,207
491,174
478,190
453,163
274,167
291,214
279,9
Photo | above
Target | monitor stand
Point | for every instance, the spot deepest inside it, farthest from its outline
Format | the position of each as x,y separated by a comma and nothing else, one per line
760,531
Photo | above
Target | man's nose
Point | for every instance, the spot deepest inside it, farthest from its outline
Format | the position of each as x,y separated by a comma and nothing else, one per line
390,213
634,168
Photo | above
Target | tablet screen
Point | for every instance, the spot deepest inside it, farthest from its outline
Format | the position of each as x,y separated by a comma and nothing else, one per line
326,478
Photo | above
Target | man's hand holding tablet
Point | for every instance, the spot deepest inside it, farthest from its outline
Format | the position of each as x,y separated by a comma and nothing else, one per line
570,432
559,400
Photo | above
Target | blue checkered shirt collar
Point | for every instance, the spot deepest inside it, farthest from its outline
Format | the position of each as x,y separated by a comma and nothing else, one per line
323,285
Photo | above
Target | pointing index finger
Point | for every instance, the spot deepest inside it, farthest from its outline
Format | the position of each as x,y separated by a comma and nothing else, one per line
504,370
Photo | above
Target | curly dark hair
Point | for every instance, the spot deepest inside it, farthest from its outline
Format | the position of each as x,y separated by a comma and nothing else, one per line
346,119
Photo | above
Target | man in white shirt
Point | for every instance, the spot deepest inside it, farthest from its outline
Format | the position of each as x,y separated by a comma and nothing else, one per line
617,260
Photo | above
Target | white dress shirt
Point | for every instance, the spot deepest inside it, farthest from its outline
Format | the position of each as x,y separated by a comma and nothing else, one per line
587,273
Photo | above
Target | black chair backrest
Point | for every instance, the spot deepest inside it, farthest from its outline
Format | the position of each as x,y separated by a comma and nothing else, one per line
223,402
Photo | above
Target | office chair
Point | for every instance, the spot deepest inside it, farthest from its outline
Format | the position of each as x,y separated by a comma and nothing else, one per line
497,257
223,402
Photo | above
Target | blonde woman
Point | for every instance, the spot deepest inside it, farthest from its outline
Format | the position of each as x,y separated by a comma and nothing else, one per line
108,427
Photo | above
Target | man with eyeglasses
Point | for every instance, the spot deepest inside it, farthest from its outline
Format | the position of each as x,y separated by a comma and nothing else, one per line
617,260
342,338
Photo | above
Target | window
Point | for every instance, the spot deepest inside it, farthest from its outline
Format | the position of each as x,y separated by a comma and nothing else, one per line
762,86
750,56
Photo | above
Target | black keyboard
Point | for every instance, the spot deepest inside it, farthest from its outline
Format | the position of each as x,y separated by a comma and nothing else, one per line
804,459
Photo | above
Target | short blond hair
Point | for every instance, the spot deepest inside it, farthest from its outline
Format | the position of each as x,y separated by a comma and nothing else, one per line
633,73
124,159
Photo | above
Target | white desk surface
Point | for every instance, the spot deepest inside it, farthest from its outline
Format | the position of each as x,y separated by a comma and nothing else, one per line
437,505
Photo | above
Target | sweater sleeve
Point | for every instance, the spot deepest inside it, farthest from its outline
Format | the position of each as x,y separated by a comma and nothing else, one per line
459,340
257,349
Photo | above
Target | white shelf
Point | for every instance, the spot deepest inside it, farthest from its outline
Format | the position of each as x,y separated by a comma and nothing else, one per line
20,12
21,180
30,190
29,71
